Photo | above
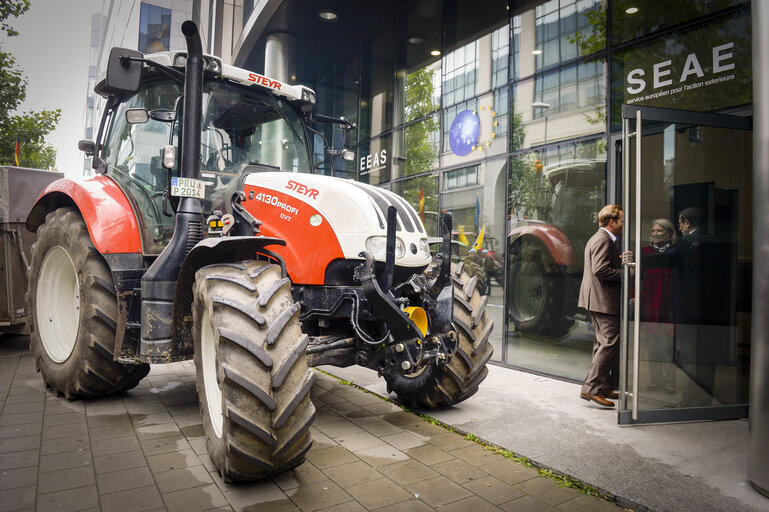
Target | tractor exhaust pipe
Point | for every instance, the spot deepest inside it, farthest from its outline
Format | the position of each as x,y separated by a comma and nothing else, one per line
159,282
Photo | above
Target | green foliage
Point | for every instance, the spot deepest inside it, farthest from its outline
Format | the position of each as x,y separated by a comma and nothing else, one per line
32,127
594,40
527,194
13,8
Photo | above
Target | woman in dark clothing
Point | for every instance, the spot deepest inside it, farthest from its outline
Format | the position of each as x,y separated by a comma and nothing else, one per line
656,322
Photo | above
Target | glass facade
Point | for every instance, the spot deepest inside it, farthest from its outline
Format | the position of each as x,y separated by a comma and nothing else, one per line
154,29
507,115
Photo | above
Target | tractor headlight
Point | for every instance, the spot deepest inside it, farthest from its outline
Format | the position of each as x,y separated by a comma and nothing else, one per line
377,245
424,247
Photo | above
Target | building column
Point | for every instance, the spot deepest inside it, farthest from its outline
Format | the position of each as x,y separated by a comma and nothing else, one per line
758,451
279,64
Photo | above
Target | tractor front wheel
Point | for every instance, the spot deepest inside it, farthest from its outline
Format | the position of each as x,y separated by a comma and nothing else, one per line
72,307
252,376
432,386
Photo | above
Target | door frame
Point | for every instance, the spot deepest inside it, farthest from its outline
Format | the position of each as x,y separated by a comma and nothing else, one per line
632,119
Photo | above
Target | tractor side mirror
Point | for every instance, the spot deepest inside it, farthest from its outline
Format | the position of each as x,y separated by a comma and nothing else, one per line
123,72
136,116
88,146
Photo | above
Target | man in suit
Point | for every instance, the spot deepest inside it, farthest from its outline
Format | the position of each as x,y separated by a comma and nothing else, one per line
600,296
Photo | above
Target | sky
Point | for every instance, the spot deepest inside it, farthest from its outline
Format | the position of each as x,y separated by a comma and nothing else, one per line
53,49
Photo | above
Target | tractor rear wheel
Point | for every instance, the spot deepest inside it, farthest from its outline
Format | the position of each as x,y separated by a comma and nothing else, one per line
432,386
252,376
72,305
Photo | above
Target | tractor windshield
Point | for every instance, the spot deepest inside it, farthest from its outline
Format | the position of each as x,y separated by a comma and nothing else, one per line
242,127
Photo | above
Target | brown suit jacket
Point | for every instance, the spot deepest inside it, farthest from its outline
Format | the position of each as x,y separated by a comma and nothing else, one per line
600,290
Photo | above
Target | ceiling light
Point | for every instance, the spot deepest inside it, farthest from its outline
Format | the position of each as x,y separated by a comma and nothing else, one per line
415,40
328,15
435,53
536,52
631,10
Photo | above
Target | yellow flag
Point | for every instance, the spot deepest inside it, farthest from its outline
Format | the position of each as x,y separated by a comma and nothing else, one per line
462,238
479,241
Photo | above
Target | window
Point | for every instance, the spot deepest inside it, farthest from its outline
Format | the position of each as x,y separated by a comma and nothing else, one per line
460,74
461,178
500,55
154,29
572,88
557,27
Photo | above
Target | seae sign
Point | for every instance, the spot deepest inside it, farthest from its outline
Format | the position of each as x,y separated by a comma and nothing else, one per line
664,73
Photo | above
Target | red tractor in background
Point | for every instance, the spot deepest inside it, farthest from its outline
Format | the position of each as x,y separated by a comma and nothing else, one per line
237,256
547,251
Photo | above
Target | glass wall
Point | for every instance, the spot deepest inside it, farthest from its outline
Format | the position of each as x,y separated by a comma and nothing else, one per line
498,115
154,29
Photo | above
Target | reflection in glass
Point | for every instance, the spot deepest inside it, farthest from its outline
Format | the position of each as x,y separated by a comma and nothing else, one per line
555,196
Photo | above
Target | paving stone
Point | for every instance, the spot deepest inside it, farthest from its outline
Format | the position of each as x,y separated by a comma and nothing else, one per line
475,454
64,419
365,399
23,408
355,473
318,496
18,499
156,431
66,479
160,445
192,430
379,493
178,479
188,420
547,490
509,471
304,474
107,420
493,490
242,495
195,499
115,445
20,477
526,503
19,444
145,409
19,459
407,471
119,461
330,457
583,503
174,460
66,460
401,418
404,440
69,500
111,431
459,471
282,505
63,444
27,429
348,506
382,408
339,429
198,445
127,479
438,491
379,427
429,454
25,398
58,405
321,440
360,441
448,441
411,505
381,455
18,419
473,503
59,431
133,500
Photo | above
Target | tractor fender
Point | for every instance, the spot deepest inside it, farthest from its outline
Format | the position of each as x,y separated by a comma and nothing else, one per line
209,251
104,206
555,241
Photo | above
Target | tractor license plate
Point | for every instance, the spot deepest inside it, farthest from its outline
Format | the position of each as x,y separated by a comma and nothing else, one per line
188,187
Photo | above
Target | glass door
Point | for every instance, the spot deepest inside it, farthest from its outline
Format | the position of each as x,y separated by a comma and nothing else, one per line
686,301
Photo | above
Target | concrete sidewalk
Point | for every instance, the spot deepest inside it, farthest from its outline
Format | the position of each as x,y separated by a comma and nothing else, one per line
145,450
664,467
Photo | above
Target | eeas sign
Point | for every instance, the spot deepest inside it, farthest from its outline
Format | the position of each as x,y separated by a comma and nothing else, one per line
702,70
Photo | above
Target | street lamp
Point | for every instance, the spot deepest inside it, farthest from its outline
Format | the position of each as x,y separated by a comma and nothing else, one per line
545,107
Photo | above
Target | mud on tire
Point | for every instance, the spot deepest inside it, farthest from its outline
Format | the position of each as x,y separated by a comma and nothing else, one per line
459,379
252,376
72,307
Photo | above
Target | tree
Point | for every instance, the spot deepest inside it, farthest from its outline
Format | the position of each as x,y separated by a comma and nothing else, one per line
31,127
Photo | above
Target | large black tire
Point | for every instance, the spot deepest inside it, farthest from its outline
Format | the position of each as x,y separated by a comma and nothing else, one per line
474,269
72,307
431,386
252,376
536,298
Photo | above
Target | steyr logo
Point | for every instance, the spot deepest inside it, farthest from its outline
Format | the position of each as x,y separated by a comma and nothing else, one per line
302,189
